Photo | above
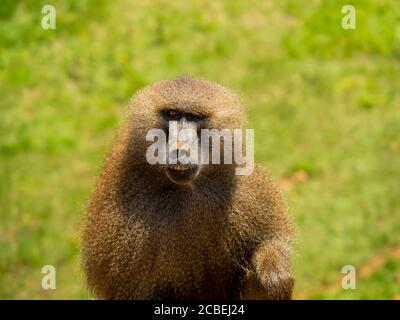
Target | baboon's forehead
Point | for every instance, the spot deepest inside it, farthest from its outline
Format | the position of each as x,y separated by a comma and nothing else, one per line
189,94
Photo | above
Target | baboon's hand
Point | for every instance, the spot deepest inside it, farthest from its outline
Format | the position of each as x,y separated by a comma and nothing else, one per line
272,268
277,284
269,286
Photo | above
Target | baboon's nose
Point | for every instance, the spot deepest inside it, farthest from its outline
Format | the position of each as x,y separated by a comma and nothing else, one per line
183,153
177,155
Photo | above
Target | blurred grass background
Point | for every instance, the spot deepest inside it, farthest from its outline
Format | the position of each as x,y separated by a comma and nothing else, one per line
324,103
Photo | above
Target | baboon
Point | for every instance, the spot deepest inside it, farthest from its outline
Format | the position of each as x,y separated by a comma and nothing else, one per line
178,231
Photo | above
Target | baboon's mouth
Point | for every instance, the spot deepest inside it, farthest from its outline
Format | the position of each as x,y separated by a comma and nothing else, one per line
179,167
182,173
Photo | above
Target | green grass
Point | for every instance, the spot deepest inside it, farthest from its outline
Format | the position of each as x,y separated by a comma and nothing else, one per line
323,101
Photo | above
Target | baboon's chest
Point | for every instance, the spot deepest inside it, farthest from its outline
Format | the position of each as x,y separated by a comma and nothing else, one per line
188,266
194,275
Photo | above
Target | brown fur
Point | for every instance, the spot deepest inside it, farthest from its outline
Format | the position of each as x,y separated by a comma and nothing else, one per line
224,236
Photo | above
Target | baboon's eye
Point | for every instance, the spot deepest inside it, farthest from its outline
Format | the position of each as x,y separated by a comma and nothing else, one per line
172,114
196,117
176,115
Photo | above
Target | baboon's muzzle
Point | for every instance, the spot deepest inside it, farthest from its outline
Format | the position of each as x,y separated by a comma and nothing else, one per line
185,133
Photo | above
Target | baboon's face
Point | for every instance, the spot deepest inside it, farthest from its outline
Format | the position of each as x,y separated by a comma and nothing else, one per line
191,105
182,130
